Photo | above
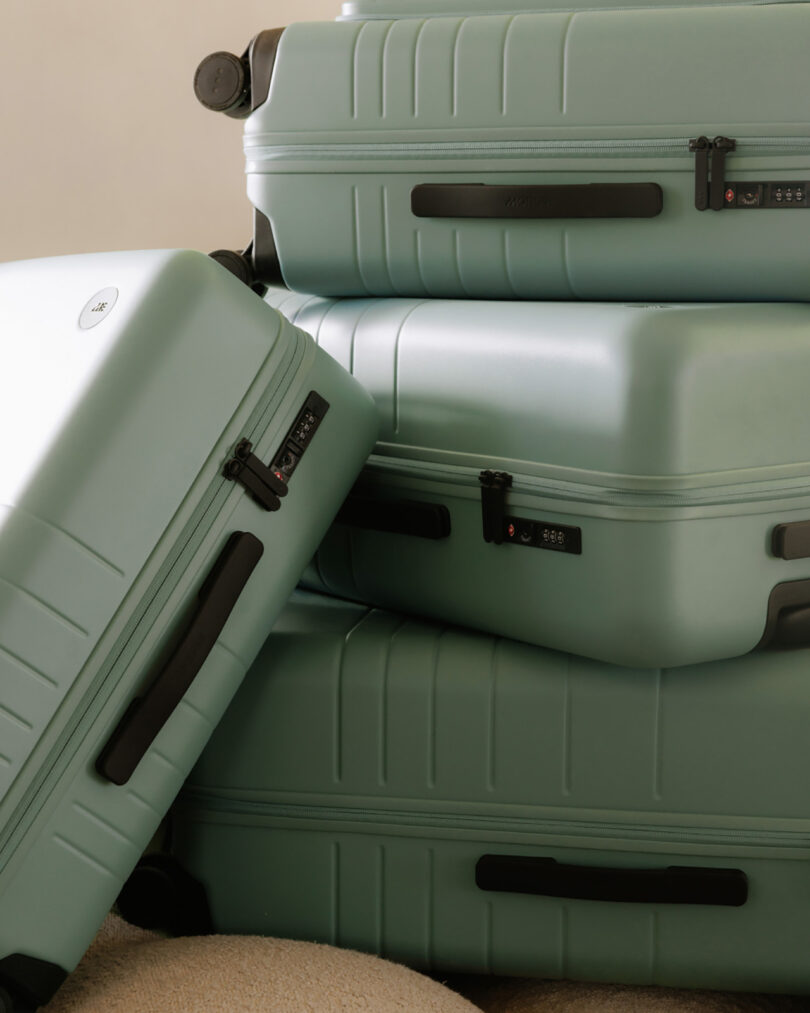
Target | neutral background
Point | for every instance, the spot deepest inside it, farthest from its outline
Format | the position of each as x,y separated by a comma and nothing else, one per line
104,145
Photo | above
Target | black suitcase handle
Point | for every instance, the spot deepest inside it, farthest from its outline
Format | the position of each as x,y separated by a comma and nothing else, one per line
146,715
582,200
676,884
400,516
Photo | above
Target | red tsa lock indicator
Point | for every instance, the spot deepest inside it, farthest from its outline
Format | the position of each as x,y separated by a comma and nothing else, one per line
520,530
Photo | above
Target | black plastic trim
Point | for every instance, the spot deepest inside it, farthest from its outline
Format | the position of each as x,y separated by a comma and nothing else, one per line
493,504
675,884
546,535
31,980
299,437
238,264
768,195
234,85
400,517
582,200
222,84
146,715
791,541
261,58
263,253
265,486
701,146
721,146
787,623
161,894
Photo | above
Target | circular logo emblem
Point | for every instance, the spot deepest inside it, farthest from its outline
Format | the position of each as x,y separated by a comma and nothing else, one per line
98,308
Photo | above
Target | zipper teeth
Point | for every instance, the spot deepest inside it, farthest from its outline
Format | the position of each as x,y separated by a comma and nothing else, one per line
353,13
66,746
196,800
580,492
258,150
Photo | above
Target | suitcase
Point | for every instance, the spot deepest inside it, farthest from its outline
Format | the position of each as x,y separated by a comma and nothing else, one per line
144,550
655,455
463,803
547,155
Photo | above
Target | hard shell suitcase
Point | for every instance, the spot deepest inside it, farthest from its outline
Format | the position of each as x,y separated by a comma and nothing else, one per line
144,550
655,455
464,803
547,155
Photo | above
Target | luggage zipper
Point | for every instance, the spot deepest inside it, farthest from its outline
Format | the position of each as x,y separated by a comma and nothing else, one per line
404,15
259,148
551,488
133,635
200,801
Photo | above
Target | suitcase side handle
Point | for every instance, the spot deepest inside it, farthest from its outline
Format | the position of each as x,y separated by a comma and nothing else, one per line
399,516
146,715
581,200
675,884
787,623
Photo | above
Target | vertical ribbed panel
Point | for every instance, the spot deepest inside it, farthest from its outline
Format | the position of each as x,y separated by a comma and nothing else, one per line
398,77
387,864
56,595
94,832
370,209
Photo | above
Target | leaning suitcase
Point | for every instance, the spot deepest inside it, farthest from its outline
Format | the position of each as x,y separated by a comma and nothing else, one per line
464,803
141,394
655,455
547,155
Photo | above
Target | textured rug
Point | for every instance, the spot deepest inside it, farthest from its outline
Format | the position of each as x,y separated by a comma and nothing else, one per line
129,970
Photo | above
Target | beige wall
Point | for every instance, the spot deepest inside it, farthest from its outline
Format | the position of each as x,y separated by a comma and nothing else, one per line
103,144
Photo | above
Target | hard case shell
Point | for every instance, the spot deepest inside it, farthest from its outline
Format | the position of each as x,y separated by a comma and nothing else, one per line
127,381
464,803
656,455
547,155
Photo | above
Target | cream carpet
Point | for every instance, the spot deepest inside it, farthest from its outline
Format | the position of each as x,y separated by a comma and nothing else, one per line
128,970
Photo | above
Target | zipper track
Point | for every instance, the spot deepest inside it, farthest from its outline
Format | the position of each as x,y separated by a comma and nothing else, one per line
136,630
258,149
751,492
361,15
195,801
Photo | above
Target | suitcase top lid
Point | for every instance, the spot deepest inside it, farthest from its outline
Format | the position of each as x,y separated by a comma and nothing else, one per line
622,397
371,10
118,375
521,82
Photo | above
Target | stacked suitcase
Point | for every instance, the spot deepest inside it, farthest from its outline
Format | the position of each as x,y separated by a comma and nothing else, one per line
564,251
539,708
173,451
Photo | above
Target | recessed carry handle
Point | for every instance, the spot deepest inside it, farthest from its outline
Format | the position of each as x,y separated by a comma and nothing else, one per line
675,884
401,516
146,715
581,200
787,623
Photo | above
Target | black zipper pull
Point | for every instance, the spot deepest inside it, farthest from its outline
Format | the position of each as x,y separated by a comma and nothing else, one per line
264,485
721,146
701,147
493,503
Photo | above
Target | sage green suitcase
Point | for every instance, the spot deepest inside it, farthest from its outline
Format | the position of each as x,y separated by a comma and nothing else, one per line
172,451
464,803
625,482
625,152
